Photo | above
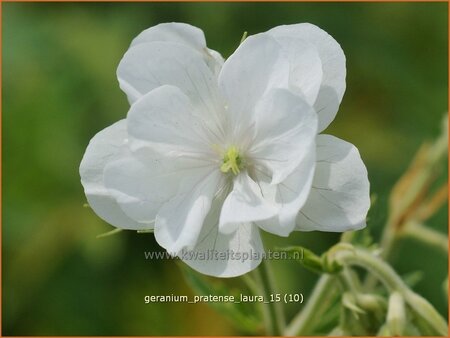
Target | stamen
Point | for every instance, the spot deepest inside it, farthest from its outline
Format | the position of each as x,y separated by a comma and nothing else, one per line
231,161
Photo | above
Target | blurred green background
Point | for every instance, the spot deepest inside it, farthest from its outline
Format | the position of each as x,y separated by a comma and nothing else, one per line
60,88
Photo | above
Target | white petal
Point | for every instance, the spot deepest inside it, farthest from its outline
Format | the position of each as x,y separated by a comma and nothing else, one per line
285,127
257,66
333,67
326,106
146,66
305,75
106,146
180,221
225,255
244,204
217,61
165,121
339,198
181,33
290,195
142,186
184,34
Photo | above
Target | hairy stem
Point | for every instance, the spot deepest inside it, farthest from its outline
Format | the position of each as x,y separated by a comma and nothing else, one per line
426,235
273,315
305,320
380,269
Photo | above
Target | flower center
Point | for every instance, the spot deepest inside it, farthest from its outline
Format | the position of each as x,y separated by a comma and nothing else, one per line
232,161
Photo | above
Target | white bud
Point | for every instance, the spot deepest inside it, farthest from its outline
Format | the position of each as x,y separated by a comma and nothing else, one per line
396,316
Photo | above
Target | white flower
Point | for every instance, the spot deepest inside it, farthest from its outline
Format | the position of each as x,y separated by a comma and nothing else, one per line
211,152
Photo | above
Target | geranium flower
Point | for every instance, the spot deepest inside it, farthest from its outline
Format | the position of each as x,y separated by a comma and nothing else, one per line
213,152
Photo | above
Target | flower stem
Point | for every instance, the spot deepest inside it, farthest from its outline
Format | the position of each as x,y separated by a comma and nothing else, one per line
273,315
426,235
410,188
413,230
419,305
304,321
